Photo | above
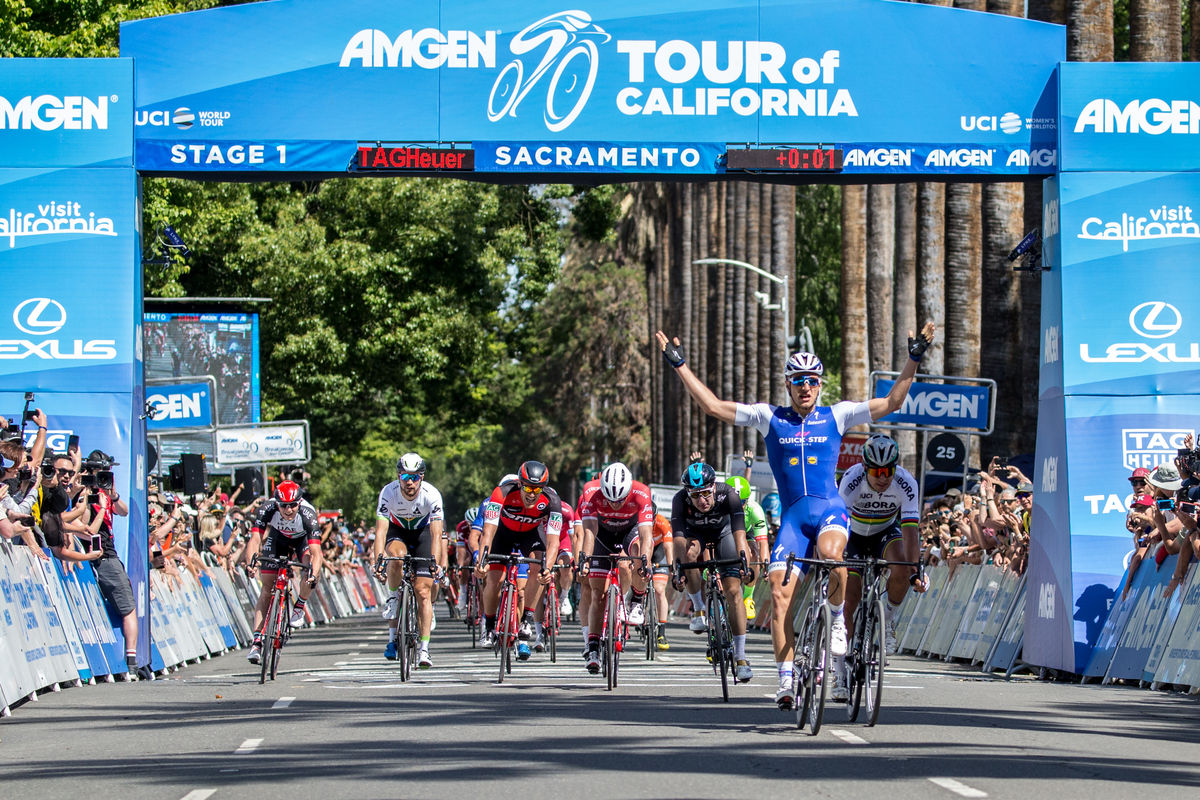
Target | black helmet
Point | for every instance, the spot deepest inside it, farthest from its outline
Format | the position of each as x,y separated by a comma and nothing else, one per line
698,476
533,473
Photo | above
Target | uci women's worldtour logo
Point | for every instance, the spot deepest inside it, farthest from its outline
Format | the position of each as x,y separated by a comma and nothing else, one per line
53,219
1153,320
1163,222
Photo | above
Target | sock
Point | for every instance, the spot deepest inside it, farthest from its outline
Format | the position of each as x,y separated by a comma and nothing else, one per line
424,642
836,610
489,623
891,609
393,634
594,641
585,633
739,647
785,671
747,591
300,604
697,602
258,638
638,597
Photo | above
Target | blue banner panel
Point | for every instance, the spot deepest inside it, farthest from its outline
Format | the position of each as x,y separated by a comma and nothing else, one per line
70,112
180,405
939,405
1129,243
294,85
68,245
1129,116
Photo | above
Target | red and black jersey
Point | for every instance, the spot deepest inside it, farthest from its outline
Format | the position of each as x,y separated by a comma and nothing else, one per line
636,509
506,509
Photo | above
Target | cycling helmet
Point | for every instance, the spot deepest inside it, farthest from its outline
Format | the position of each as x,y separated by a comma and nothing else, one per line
411,462
698,476
616,481
533,473
803,363
509,478
880,451
472,512
741,484
287,492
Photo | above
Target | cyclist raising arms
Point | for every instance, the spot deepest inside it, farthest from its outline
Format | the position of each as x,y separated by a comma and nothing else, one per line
882,498
289,523
803,442
617,515
409,521
522,515
708,515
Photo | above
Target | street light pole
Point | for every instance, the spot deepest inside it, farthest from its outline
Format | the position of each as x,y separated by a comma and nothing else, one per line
785,305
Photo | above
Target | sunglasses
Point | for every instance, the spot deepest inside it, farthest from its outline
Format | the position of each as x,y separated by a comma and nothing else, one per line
1024,494
289,505
531,489
65,473
804,380
881,472
410,476
708,492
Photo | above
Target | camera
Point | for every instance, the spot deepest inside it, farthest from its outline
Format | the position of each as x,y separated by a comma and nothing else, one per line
1164,503
1188,508
1030,250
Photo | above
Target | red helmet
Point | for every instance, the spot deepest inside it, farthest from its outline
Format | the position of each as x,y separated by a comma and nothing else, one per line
287,492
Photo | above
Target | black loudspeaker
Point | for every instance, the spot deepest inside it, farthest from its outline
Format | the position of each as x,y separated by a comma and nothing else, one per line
252,484
175,481
193,473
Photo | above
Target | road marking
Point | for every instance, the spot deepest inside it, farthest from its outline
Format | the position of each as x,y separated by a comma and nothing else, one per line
282,702
960,789
248,746
354,653
848,737
199,794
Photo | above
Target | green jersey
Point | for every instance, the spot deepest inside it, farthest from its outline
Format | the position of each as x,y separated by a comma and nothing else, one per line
756,520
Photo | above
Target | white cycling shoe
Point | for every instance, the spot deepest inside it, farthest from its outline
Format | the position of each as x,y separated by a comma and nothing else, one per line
890,644
392,608
838,692
297,618
698,624
637,614
837,636
742,672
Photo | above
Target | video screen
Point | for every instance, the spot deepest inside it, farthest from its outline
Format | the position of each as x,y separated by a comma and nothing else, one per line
225,346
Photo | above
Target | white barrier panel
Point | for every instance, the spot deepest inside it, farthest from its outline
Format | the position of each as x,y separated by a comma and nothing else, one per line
200,611
1012,636
233,606
162,623
925,608
66,616
976,613
18,676
1178,664
1001,605
56,637
1149,615
1163,637
950,611
46,650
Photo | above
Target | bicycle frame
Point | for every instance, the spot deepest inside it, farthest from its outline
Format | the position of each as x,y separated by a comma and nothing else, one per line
614,630
276,625
720,637
408,633
812,659
506,617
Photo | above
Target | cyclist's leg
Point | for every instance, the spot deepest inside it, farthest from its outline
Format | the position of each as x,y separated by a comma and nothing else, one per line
893,549
858,546
420,544
791,539
269,550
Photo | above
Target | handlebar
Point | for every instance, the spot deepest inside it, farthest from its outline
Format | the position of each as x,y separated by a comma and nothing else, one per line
260,561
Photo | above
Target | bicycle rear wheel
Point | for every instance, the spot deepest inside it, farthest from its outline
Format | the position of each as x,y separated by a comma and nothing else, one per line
875,657
650,629
611,653
551,622
268,639
718,641
854,663
473,616
502,633
819,676
281,628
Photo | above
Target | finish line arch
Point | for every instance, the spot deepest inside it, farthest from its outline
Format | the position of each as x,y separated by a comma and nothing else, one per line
792,91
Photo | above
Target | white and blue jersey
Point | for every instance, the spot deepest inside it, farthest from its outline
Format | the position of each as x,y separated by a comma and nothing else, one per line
803,453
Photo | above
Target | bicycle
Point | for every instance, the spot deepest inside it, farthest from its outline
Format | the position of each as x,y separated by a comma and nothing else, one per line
474,612
614,631
551,622
812,659
720,638
408,634
276,624
507,617
649,629
866,657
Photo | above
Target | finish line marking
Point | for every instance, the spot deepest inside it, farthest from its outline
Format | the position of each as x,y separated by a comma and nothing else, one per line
848,737
960,789
248,746
282,702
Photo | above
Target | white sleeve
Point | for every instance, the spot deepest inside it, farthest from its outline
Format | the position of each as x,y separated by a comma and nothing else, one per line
382,511
908,509
435,501
848,414
757,416
849,483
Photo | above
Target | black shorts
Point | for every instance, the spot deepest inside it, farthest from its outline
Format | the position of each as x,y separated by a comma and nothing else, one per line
524,542
659,560
870,546
276,545
723,547
608,544
114,584
417,543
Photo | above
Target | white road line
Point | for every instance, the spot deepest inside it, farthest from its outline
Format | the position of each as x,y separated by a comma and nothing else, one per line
848,737
960,789
248,746
282,702
199,794
354,653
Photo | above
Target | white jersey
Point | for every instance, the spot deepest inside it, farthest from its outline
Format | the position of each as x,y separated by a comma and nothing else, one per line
412,514
872,512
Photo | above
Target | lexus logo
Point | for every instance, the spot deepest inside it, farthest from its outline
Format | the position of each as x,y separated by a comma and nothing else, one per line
40,316
1155,320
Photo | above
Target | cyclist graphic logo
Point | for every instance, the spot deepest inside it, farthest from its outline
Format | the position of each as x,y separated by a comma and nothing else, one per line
569,55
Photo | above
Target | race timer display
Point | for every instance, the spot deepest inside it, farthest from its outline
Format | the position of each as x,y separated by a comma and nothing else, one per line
784,159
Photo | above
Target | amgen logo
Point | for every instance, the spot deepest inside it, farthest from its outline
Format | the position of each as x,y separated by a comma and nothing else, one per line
49,113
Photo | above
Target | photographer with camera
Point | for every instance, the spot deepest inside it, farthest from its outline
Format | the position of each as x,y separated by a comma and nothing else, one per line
20,485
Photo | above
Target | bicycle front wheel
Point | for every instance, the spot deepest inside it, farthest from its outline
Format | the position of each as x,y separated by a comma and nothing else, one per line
855,658
650,629
875,657
268,639
718,640
502,633
821,672
551,623
402,632
611,653
473,615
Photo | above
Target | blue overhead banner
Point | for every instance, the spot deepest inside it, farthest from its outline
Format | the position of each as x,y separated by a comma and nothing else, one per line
1130,117
304,85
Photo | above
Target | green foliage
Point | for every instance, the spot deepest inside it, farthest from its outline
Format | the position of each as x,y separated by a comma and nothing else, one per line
817,292
77,28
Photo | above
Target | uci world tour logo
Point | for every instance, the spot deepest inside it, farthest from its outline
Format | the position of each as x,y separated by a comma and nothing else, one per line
569,60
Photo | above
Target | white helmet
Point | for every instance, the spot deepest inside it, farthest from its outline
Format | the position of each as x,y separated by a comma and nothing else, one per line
616,481
411,462
803,363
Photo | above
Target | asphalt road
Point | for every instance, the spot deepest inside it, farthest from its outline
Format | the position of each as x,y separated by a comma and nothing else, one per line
339,723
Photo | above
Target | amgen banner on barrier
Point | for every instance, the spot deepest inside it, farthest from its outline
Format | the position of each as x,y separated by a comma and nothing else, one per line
282,442
684,76
939,405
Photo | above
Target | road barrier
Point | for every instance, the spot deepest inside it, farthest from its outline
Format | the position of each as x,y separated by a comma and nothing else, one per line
55,631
